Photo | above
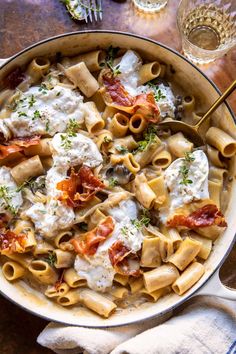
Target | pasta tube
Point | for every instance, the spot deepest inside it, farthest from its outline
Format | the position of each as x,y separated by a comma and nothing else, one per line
53,291
188,278
186,253
42,271
93,119
73,279
137,123
119,125
143,192
37,68
148,72
97,302
12,270
92,60
206,245
179,145
150,253
160,277
27,169
162,159
83,79
64,259
221,141
42,149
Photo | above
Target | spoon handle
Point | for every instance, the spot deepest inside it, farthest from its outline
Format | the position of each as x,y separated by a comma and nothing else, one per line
217,103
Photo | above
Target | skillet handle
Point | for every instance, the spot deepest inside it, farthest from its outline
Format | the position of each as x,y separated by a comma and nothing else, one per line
3,61
214,287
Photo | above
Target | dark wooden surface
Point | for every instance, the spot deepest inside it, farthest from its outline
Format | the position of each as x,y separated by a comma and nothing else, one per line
24,22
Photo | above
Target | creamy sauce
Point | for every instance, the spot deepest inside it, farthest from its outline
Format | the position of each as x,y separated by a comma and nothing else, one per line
97,269
181,194
43,111
10,199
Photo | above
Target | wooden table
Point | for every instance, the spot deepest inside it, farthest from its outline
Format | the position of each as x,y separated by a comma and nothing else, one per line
24,22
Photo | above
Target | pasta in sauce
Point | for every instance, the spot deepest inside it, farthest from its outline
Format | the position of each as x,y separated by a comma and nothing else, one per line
98,204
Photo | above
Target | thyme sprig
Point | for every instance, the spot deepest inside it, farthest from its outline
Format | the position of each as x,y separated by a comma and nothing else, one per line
122,149
7,196
109,61
71,130
112,182
149,137
51,259
184,169
158,94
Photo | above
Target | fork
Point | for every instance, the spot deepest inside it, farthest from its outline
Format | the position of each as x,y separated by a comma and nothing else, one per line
92,8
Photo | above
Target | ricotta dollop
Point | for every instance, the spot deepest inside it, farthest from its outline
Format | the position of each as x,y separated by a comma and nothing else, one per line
55,215
181,194
82,150
97,269
43,111
10,199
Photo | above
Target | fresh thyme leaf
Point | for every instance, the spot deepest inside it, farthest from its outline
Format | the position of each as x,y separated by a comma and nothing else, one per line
189,157
7,196
71,130
33,184
37,115
31,101
158,95
144,221
58,93
22,114
47,128
111,53
107,139
124,230
149,137
72,127
66,142
43,88
122,149
51,259
184,169
112,182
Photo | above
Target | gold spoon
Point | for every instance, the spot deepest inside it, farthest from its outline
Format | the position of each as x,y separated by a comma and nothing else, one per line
192,131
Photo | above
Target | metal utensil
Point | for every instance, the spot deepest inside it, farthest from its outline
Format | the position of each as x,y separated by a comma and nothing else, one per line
85,10
192,131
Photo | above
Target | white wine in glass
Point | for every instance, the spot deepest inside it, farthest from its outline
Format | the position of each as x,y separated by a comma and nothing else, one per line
150,5
207,28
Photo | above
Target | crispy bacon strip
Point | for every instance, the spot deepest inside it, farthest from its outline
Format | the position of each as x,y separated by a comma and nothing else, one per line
26,141
17,145
116,90
202,217
6,150
120,98
120,255
79,187
87,243
11,242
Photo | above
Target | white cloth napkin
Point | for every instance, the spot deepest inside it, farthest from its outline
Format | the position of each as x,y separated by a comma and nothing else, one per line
206,326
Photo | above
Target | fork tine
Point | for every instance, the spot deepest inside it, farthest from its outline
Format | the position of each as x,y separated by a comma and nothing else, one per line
89,10
94,6
99,2
85,15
